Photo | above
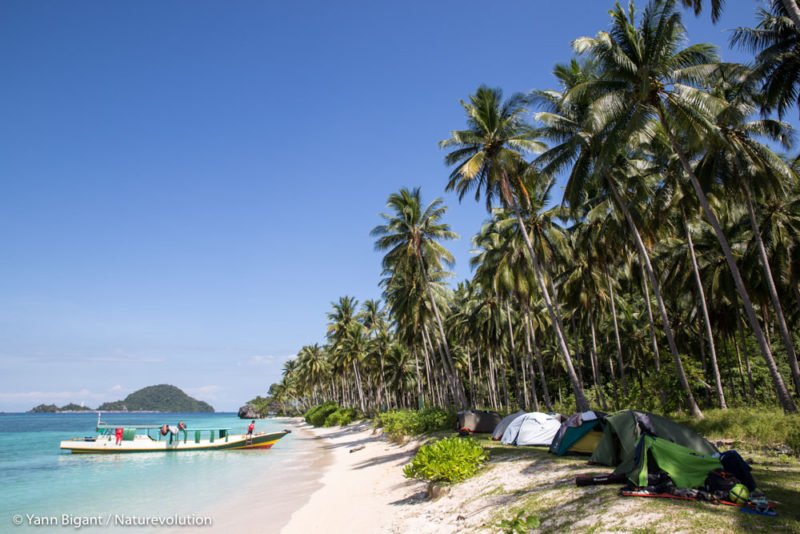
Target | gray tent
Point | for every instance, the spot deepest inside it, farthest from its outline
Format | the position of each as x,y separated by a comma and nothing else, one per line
503,424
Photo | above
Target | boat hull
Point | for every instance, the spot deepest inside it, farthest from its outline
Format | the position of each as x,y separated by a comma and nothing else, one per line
108,445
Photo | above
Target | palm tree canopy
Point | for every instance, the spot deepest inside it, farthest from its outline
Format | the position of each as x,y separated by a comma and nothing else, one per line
496,140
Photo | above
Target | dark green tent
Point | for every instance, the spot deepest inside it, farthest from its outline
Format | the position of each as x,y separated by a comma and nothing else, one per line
617,447
578,434
686,468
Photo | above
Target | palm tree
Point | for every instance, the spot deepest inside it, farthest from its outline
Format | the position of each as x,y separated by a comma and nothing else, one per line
739,160
647,77
411,236
489,158
569,121
313,367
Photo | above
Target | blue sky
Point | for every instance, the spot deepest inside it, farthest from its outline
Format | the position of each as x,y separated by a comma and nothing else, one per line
187,186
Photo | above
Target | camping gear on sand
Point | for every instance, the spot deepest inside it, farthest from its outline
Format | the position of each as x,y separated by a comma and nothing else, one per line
534,428
579,434
477,421
685,467
617,446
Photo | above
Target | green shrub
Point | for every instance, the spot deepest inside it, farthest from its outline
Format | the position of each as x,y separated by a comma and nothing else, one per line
448,460
400,423
317,415
518,524
341,417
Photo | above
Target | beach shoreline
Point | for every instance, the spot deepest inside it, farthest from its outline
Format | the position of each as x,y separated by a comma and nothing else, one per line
350,479
291,482
362,487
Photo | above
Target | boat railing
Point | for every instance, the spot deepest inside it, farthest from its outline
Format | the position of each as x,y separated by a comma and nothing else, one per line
129,431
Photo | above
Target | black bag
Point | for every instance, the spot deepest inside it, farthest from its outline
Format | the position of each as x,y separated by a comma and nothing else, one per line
719,483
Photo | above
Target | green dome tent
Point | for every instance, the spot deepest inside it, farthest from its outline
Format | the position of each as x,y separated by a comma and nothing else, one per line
617,446
685,467
579,434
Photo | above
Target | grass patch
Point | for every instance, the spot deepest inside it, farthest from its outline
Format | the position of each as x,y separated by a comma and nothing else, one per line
754,428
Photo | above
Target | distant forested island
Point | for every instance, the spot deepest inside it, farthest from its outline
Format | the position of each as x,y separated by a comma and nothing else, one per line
52,408
160,398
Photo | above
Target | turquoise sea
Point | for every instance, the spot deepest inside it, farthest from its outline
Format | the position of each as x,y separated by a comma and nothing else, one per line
39,478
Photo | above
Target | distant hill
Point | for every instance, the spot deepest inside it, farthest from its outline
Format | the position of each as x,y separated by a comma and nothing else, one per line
44,408
161,398
72,407
52,408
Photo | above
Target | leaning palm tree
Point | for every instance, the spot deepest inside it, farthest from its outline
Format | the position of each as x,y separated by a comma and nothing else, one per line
411,236
650,83
489,158
579,143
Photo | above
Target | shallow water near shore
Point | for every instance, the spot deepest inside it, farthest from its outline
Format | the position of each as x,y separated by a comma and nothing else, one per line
41,480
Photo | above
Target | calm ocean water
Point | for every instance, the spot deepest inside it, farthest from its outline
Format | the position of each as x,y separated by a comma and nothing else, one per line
39,478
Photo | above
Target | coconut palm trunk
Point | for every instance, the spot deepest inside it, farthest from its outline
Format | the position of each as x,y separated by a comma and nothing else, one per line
773,293
706,318
649,306
539,363
449,369
616,334
521,401
750,387
787,403
561,341
693,407
595,371
793,11
530,363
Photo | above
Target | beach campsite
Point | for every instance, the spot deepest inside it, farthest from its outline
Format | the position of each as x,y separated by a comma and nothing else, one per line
400,267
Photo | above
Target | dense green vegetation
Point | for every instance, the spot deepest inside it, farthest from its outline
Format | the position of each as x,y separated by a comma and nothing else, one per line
160,398
52,408
330,414
399,424
667,278
448,460
45,408
748,428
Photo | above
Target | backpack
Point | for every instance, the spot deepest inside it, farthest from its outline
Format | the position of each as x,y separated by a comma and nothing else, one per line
719,483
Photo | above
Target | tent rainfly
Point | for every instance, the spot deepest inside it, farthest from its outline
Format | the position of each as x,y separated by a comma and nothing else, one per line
579,434
534,428
503,424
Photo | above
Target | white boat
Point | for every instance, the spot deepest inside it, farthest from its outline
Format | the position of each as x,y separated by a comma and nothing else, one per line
155,438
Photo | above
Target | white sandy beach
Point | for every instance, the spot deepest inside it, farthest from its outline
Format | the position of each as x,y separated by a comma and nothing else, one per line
361,490
332,490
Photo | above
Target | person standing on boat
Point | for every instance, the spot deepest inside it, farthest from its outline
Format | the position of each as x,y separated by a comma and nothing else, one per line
118,434
251,427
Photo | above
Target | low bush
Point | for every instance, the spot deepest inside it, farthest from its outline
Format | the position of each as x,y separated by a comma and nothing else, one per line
341,417
400,423
449,460
317,415
519,524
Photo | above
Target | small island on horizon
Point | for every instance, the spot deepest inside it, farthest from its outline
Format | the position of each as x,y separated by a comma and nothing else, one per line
159,398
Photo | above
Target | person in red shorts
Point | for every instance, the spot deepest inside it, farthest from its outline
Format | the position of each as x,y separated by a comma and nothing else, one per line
118,433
